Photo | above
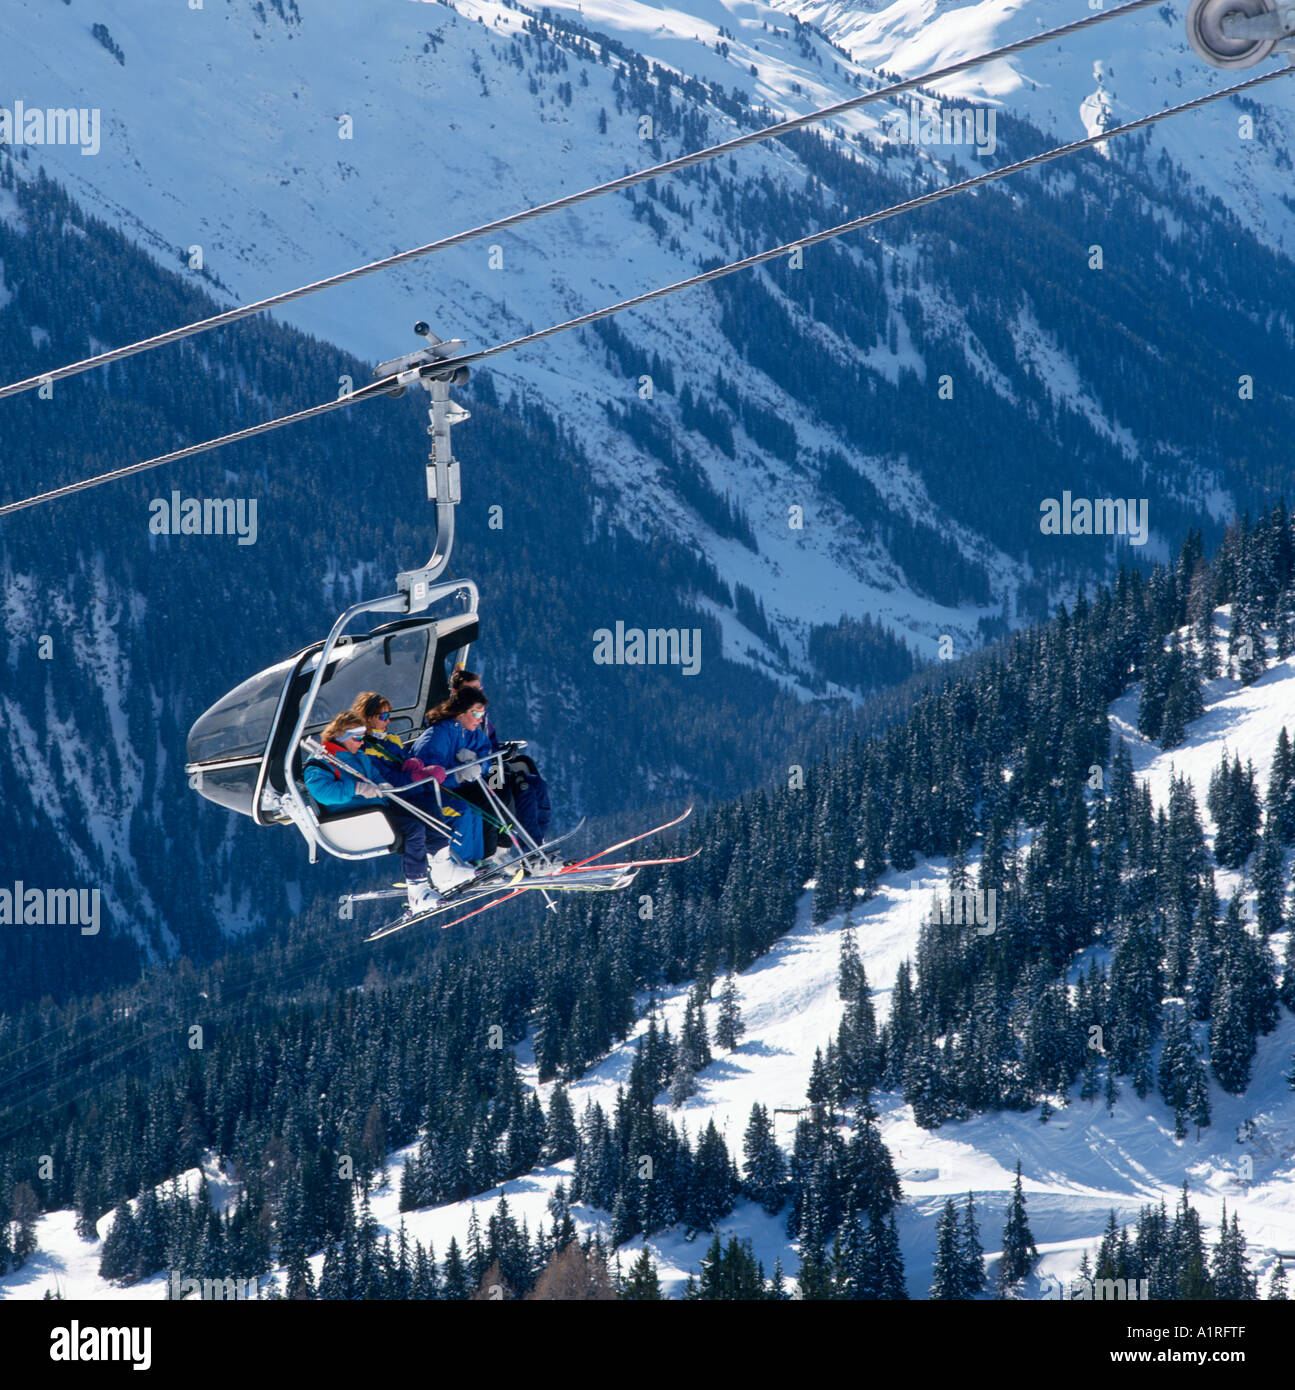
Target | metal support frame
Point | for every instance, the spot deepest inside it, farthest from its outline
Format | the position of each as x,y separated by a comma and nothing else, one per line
416,590
444,487
1277,23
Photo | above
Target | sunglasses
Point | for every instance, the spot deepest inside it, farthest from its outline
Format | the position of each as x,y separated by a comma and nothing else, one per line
383,717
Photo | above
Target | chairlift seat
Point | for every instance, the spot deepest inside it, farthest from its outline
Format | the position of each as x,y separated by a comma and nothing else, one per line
358,830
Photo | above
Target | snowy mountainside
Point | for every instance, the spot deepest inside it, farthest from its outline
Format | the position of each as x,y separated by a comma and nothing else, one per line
454,123
453,115
1078,1167
1113,73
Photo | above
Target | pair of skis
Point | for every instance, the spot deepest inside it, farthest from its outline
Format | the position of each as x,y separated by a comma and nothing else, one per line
587,875
484,875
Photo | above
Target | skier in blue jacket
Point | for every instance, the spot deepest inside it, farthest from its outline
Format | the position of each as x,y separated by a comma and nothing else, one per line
379,742
452,738
527,791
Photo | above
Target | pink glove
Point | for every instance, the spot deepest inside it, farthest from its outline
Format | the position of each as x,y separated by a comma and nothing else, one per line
420,772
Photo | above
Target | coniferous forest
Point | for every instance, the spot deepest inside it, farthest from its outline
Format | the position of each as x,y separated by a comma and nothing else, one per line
288,1061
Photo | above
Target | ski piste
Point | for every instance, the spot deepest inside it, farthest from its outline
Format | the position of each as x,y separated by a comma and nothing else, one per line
581,865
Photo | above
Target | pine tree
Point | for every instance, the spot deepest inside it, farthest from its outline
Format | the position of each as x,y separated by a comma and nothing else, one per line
1250,646
299,1280
714,1184
150,1230
729,1027
24,1212
1234,803
1181,1074
1205,639
1184,701
1231,1270
1202,969
1198,1093
765,1167
1019,1253
642,1284
819,1089
948,1273
1284,622
1111,1091
456,1285
1288,972
886,1258
694,1037
477,1258
1156,675
682,1082
1278,804
971,1251
1277,1284
1269,883
815,1278
119,1259
1187,1247
902,1030
851,967
1088,1086
1232,1034
561,1132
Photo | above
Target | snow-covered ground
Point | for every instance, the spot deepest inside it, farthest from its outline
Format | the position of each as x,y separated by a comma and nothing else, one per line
1076,1168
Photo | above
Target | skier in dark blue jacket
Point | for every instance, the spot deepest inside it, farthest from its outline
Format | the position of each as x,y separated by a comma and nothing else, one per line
453,738
527,791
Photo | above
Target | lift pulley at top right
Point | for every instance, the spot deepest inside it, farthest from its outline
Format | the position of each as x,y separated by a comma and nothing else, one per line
1240,33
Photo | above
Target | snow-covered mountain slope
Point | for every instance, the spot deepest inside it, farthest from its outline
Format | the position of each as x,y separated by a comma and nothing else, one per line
281,145
1078,1167
222,130
1112,73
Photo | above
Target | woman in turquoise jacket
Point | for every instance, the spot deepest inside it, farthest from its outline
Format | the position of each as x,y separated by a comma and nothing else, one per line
337,790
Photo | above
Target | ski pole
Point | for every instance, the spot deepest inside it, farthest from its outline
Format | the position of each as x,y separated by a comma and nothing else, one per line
518,826
317,749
